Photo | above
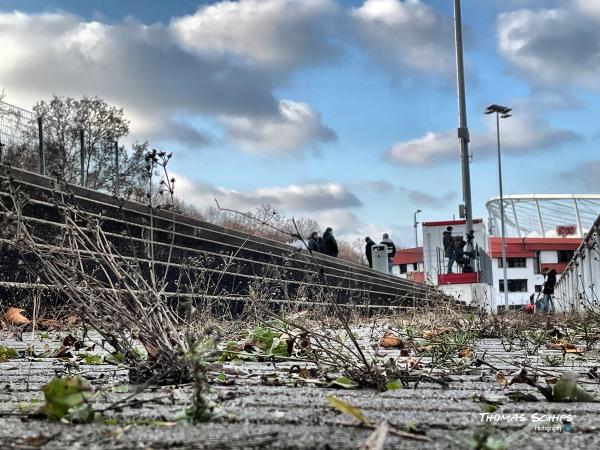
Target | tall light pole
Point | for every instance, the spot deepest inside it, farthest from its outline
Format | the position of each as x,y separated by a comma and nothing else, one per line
416,226
502,112
463,129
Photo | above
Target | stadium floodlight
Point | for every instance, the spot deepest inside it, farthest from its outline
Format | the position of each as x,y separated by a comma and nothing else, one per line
502,112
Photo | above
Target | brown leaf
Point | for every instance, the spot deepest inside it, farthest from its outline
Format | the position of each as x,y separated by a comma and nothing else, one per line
554,346
466,352
428,334
71,341
14,316
50,325
72,320
390,340
501,379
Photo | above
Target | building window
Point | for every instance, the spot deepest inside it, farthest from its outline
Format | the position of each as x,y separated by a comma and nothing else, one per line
565,256
537,267
514,285
538,288
514,262
402,268
415,266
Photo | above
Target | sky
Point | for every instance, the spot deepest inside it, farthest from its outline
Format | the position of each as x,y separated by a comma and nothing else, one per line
341,111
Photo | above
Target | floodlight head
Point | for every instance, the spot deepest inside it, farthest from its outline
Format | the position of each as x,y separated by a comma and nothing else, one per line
418,211
505,116
497,109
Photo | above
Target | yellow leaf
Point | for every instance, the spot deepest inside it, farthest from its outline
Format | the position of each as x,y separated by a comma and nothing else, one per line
347,408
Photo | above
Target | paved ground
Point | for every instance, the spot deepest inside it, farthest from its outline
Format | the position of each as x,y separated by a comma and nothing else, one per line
252,414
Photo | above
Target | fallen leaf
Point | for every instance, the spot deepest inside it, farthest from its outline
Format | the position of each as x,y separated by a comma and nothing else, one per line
343,382
428,334
393,385
501,379
466,352
390,340
50,325
518,396
349,409
574,350
71,320
7,353
14,316
554,346
71,341
566,389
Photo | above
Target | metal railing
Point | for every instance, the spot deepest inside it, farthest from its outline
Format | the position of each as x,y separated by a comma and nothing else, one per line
577,290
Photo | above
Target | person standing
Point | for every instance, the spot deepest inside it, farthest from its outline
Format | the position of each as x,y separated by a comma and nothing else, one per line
391,250
548,289
369,250
313,242
329,246
449,248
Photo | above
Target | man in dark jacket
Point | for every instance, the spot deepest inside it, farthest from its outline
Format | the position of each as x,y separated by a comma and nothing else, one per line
391,250
329,246
313,242
369,250
449,249
548,289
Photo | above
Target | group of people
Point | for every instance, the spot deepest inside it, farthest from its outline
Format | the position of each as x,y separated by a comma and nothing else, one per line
391,250
543,305
457,251
325,244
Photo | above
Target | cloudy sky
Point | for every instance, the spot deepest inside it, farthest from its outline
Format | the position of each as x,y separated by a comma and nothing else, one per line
340,110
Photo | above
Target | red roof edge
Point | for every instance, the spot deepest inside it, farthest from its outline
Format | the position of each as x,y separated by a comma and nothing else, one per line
449,222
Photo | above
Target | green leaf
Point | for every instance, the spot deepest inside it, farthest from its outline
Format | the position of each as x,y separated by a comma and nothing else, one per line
347,408
7,353
65,396
115,358
344,383
221,377
263,337
394,384
566,390
279,347
92,359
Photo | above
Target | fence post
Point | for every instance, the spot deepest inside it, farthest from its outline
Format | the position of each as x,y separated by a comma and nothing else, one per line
116,168
41,156
82,157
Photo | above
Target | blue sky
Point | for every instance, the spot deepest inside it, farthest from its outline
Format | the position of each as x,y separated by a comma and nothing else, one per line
344,111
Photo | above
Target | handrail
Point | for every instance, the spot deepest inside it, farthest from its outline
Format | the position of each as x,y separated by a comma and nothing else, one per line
577,289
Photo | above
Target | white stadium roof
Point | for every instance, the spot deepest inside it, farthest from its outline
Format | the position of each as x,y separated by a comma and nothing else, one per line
541,214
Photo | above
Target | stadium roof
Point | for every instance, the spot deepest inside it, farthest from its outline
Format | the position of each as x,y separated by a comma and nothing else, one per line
544,215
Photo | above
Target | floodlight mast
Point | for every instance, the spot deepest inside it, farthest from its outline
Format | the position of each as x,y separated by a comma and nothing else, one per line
463,129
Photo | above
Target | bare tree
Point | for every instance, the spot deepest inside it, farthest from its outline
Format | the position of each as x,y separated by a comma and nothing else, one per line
64,119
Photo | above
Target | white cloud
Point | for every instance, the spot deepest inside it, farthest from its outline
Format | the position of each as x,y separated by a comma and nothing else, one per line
406,35
146,69
296,127
289,199
519,135
558,46
281,34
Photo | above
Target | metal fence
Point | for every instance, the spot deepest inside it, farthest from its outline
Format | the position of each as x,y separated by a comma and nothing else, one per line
23,143
577,290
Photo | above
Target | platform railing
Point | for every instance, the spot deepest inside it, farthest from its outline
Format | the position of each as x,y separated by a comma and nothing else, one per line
578,289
